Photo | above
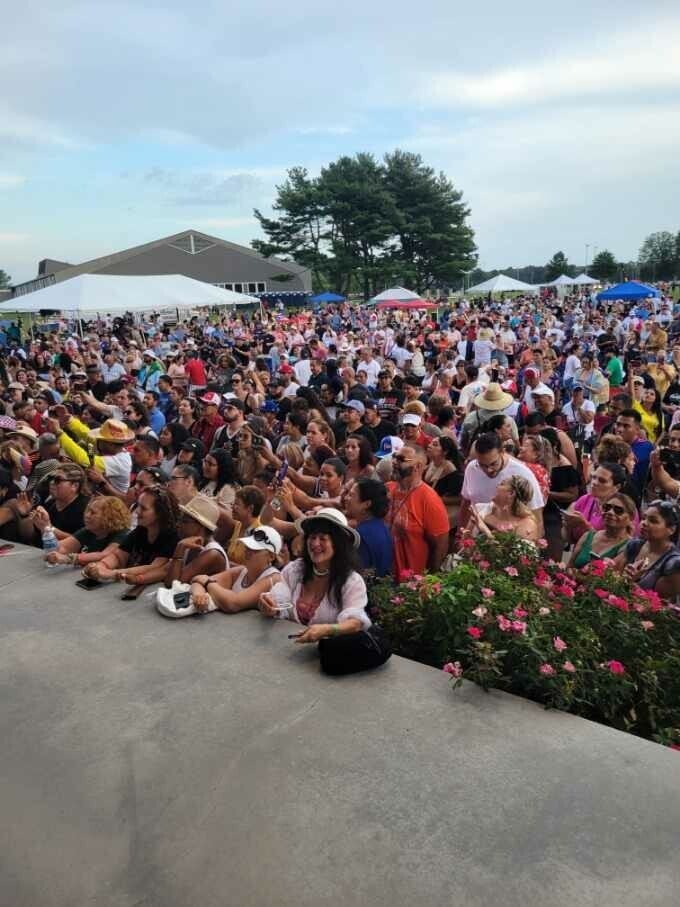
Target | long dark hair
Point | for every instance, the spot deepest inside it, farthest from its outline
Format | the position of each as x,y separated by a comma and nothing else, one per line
226,471
178,434
342,564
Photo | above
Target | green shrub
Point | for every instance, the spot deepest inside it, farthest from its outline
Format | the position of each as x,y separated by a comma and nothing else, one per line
590,643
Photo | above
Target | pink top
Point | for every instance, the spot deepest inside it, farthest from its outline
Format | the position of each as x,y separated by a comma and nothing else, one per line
589,506
289,592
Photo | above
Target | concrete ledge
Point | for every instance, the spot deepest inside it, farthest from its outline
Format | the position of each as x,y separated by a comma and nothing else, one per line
207,761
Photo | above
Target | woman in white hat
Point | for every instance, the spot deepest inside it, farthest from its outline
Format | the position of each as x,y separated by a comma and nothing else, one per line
197,552
239,588
323,591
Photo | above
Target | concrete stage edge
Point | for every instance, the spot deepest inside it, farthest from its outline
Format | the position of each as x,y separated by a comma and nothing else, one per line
207,761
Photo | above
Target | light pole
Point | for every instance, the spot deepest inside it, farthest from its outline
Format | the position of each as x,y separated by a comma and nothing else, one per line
586,265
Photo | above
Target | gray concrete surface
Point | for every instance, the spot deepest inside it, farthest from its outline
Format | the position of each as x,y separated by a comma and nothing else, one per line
207,762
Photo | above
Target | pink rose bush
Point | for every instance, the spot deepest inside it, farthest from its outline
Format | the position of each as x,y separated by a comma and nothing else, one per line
590,642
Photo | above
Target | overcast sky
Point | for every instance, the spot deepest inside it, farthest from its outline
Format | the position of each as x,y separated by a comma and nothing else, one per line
124,122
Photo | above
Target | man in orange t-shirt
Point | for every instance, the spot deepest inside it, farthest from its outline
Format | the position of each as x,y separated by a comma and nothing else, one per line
417,518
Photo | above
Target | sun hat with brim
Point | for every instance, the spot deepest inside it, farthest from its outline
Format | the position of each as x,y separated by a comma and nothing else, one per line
113,432
25,431
149,353
328,515
492,398
202,509
264,538
41,471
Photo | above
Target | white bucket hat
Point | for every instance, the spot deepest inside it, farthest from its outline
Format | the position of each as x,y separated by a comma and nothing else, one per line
264,538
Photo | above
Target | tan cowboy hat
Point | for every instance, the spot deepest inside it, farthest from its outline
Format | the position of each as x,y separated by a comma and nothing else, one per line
202,509
493,398
113,432
25,431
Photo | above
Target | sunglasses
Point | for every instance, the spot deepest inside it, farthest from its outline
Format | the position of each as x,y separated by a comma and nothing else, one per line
261,536
57,480
613,508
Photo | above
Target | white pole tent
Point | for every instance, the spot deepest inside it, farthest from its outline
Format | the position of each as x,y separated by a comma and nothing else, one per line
395,294
561,281
501,283
584,280
105,294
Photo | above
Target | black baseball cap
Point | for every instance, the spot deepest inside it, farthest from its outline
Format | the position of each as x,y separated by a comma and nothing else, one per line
195,445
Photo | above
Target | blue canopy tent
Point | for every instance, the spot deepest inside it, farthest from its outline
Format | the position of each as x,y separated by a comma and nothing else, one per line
631,289
327,297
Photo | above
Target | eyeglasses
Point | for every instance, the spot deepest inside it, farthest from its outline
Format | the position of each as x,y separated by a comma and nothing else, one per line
57,480
613,508
173,478
667,507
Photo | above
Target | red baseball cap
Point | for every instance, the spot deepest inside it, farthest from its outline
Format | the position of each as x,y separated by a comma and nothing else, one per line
211,398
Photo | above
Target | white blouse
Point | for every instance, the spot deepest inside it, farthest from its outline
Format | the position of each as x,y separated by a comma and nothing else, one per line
353,598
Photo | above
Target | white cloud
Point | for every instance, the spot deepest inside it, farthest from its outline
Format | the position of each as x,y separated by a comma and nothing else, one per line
12,238
11,180
633,61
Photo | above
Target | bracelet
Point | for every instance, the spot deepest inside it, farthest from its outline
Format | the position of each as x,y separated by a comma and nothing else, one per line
334,630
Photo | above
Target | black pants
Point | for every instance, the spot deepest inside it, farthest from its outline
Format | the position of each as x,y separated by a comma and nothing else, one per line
354,652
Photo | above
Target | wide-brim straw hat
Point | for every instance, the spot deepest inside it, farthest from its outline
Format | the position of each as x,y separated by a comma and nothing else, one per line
202,509
330,515
25,431
113,432
493,397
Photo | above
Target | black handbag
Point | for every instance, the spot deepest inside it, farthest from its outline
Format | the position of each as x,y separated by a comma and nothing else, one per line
354,652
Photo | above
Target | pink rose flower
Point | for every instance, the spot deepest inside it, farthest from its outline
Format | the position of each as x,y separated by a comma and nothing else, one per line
647,624
541,543
484,565
512,571
616,667
397,600
503,623
565,590
601,593
474,632
519,626
436,588
524,561
480,611
520,612
568,666
487,593
559,645
544,611
617,602
453,668
547,670
467,543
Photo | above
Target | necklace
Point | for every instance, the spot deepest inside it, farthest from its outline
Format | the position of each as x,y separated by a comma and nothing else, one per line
320,572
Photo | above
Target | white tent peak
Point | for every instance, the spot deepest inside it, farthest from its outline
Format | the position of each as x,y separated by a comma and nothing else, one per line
584,280
501,283
105,293
395,294
561,281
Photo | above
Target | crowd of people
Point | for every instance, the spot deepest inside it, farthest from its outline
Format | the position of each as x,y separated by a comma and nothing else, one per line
280,461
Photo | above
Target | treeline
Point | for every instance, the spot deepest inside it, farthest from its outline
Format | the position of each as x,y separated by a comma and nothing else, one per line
363,225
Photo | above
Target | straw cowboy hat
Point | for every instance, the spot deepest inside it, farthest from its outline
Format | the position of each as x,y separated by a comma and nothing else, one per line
202,509
493,398
113,432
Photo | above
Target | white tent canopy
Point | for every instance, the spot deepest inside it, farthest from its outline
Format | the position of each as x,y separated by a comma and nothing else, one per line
105,293
501,283
584,280
395,294
561,281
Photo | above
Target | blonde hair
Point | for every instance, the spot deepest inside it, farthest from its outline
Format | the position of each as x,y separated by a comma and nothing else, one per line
294,455
115,515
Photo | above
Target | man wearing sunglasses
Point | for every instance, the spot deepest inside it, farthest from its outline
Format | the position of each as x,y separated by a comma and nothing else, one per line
484,474
417,518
